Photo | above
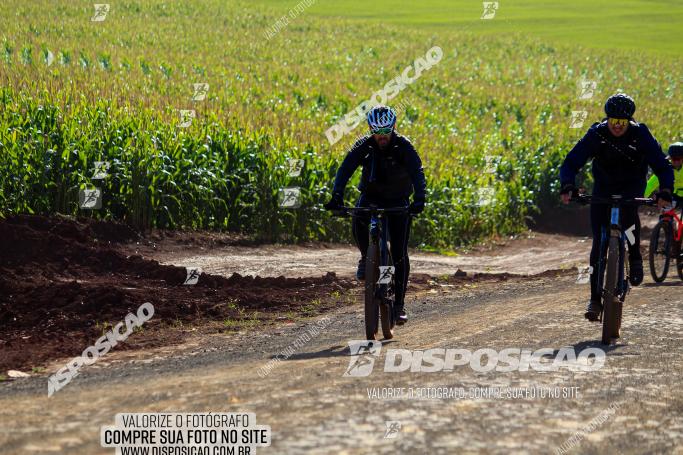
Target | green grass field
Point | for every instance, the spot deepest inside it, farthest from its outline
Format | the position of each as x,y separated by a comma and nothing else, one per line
505,87
642,25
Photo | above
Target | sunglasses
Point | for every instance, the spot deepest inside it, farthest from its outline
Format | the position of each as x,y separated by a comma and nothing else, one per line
382,131
618,121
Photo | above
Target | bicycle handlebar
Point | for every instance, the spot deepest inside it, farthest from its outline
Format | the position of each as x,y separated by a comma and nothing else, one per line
351,211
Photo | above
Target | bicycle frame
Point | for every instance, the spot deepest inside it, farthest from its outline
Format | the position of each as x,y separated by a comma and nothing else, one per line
615,230
671,215
379,306
379,233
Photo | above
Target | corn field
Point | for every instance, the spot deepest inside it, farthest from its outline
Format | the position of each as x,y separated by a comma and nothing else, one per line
491,120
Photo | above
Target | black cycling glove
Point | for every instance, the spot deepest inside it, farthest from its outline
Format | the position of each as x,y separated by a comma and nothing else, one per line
416,207
336,202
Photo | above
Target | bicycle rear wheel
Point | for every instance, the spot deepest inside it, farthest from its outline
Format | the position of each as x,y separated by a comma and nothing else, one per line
371,301
610,306
660,250
676,247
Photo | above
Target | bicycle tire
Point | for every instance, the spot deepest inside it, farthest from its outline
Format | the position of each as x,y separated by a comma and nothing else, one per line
386,320
679,258
371,303
619,311
619,302
609,304
386,316
659,251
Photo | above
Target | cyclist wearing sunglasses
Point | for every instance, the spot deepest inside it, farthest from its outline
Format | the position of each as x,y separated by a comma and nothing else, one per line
392,171
621,150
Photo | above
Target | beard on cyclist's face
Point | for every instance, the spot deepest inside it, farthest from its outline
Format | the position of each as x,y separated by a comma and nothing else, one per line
382,140
617,130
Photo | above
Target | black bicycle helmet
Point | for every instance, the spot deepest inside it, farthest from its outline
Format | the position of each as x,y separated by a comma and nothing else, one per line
620,106
676,150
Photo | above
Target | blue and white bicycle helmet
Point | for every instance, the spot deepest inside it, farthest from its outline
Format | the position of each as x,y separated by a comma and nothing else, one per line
381,117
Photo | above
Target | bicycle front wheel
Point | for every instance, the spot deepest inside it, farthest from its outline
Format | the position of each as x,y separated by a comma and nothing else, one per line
660,250
371,301
610,317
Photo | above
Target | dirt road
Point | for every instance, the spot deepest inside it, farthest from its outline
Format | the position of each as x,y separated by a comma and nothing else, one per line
633,404
527,254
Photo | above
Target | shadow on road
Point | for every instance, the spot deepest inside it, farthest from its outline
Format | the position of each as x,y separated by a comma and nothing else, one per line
666,283
334,351
597,344
580,346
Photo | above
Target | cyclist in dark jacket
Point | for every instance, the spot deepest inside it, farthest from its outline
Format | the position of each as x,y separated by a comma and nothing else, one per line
621,150
392,171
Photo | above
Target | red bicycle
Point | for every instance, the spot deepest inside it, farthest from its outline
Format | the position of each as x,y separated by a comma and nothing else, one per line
665,244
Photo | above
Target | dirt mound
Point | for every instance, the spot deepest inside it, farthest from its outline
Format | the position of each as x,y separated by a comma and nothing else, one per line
63,282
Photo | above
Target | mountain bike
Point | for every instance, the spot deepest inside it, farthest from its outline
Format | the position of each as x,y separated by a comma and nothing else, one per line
612,265
665,244
379,270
